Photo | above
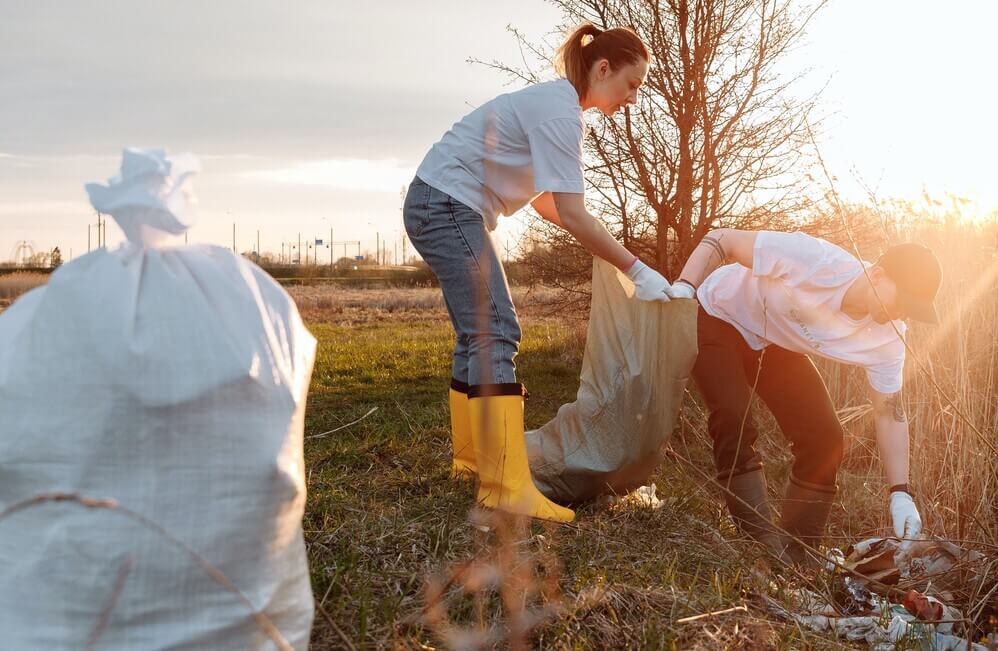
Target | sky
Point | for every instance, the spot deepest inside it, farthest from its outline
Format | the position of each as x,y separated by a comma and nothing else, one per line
310,116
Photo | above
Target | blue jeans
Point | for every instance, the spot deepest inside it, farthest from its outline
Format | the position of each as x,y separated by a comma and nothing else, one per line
453,240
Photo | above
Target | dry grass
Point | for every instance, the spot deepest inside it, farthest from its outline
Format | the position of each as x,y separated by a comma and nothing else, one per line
17,283
396,560
951,397
343,306
385,521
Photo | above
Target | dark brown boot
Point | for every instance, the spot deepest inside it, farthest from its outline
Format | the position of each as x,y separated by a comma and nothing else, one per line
805,513
748,504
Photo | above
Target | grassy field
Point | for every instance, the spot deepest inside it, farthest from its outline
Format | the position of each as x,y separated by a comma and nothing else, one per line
398,556
384,517
392,538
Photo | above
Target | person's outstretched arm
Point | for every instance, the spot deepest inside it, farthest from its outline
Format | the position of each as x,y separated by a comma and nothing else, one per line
892,441
568,210
717,247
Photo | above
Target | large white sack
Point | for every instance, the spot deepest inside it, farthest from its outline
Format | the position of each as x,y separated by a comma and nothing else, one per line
173,381
636,364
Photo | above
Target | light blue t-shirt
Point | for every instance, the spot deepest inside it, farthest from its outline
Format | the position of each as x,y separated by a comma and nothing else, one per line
503,154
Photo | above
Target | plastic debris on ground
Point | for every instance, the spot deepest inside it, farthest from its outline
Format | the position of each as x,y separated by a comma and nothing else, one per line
868,581
641,497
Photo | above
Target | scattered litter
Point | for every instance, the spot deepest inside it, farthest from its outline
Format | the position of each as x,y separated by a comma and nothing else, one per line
927,565
861,607
857,597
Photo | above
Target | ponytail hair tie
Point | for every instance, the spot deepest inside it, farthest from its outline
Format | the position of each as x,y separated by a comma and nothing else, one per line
591,36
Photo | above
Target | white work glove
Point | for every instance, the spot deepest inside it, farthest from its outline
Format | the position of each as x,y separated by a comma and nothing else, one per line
907,522
681,289
649,285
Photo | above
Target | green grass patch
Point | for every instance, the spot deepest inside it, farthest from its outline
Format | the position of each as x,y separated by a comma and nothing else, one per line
383,515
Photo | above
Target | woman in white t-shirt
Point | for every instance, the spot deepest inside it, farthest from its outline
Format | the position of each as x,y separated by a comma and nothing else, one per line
519,148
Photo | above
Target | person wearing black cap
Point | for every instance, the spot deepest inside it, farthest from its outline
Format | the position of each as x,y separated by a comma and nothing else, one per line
785,296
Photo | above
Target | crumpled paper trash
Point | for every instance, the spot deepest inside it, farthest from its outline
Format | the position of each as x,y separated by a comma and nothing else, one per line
641,497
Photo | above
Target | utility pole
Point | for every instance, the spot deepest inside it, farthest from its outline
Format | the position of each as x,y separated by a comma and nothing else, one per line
299,248
98,226
258,245
331,243
377,248
233,237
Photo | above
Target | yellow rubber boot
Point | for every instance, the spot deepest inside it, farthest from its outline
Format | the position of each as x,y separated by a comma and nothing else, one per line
504,480
460,431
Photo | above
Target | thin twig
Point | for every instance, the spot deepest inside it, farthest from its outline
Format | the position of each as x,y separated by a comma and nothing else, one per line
333,431
693,618
112,601
336,628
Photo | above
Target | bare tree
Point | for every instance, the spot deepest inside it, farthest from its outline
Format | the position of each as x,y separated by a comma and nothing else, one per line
717,138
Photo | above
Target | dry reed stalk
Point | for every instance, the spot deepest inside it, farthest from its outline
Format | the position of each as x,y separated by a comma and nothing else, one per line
19,282
526,581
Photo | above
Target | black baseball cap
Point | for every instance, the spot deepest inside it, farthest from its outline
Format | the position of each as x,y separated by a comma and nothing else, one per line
917,275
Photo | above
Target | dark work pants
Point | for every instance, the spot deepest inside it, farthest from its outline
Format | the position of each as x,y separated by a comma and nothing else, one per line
726,370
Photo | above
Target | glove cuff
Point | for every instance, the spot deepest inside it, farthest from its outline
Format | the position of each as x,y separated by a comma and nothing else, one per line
901,488
635,269
683,289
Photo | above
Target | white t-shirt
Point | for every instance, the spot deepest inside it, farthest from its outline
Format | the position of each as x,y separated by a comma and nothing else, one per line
792,297
503,154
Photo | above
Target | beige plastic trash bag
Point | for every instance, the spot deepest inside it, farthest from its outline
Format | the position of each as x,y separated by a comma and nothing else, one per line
636,365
